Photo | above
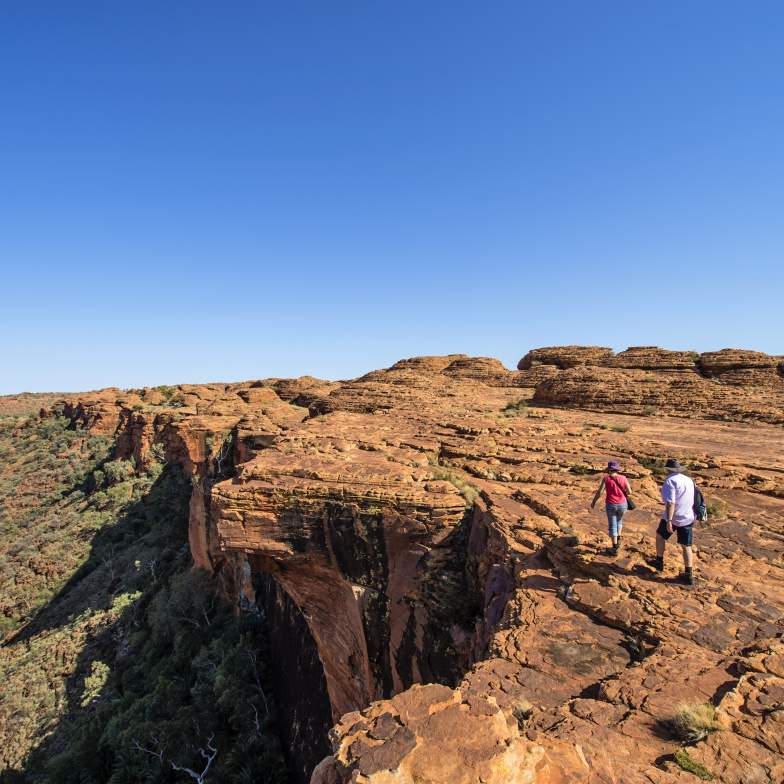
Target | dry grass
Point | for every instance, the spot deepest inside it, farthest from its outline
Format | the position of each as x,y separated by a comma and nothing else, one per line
522,710
515,408
694,721
468,491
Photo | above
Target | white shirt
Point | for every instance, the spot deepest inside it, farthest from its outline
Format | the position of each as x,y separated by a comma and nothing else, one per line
678,489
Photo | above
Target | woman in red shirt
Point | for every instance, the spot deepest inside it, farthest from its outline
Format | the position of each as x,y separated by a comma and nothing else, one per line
616,487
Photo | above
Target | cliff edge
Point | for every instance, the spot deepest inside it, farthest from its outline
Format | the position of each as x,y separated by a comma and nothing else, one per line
421,541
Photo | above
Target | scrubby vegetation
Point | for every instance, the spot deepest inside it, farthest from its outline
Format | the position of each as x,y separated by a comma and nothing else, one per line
467,490
656,465
604,426
46,521
716,508
120,664
583,469
685,762
171,396
694,721
516,408
522,710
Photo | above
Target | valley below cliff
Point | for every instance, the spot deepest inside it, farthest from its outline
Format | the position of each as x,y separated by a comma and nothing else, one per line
395,579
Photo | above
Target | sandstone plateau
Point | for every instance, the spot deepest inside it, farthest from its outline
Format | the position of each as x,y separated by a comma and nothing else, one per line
443,607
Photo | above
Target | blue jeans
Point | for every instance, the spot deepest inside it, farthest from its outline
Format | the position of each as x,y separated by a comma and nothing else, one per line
615,519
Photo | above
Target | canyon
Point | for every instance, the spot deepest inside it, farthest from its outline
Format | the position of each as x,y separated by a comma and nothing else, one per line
440,598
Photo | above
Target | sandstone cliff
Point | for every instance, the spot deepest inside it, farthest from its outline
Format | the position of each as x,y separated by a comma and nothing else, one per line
441,590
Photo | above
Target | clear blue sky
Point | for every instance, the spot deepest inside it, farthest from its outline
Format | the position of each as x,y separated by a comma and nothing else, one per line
195,191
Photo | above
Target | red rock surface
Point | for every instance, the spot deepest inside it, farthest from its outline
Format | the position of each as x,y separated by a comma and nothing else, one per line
429,533
26,403
653,358
728,385
565,356
718,362
646,393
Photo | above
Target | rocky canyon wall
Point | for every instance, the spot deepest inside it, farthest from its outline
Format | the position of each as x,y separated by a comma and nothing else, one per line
420,542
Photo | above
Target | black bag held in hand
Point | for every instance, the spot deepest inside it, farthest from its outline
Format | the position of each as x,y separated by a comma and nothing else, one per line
629,503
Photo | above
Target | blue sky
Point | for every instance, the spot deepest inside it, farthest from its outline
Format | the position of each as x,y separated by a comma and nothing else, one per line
195,191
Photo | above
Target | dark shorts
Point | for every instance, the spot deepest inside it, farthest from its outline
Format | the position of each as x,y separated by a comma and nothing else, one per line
684,532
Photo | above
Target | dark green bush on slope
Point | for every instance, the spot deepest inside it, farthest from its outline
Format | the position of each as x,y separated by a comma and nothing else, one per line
126,663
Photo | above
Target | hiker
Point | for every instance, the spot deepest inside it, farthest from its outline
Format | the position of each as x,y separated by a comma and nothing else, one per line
677,493
617,490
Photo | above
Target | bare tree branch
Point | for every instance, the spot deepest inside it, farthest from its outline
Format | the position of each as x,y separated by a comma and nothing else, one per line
185,619
157,754
208,755
252,657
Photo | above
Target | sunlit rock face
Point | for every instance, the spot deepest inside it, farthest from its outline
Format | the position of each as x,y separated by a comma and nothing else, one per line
370,538
421,539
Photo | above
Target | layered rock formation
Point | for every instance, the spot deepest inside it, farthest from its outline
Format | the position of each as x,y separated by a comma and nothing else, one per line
729,384
652,358
565,356
429,542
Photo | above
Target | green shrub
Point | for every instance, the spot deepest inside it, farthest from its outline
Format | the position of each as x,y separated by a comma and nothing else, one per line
94,682
170,395
120,494
118,471
685,762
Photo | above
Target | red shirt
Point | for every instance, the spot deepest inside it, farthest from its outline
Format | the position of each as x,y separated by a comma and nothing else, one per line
613,485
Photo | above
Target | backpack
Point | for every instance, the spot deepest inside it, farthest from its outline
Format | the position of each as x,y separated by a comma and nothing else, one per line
700,508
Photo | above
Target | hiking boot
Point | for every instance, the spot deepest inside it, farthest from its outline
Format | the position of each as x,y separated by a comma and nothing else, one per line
614,549
687,578
657,563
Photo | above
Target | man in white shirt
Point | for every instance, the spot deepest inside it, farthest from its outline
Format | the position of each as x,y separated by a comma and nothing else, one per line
677,493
